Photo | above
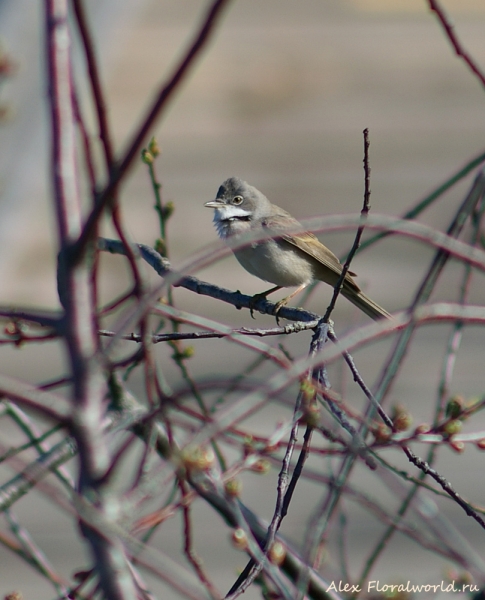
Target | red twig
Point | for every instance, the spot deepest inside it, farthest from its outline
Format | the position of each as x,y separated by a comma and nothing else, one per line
88,154
164,95
189,551
455,42
95,80
105,137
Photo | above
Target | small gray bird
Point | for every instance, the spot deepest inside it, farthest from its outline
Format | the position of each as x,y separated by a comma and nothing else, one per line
287,259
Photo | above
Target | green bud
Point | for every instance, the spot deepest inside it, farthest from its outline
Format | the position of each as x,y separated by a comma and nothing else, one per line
455,406
146,157
161,247
312,415
168,210
239,539
233,488
453,427
188,352
184,354
153,147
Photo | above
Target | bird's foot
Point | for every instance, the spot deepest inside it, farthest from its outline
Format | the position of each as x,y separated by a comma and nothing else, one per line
254,300
279,305
260,296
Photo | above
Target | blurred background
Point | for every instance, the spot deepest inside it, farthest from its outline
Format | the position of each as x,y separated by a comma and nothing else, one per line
280,98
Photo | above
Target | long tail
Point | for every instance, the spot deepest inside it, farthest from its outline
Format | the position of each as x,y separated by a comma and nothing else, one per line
366,305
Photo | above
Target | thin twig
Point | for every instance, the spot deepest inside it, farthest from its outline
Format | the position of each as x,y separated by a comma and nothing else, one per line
104,132
21,484
423,204
165,94
445,484
179,355
322,517
95,80
253,568
355,246
443,389
424,291
455,42
189,551
44,318
34,555
35,399
285,491
423,465
86,142
202,335
37,440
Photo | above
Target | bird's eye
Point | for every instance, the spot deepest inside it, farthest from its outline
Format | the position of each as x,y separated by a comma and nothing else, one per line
237,200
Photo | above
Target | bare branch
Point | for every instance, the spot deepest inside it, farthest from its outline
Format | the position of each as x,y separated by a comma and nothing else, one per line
449,30
75,290
360,230
166,92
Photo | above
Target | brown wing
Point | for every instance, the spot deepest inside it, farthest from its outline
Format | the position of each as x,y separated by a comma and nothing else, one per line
306,242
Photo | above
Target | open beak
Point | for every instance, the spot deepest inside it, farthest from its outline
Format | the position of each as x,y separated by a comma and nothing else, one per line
214,203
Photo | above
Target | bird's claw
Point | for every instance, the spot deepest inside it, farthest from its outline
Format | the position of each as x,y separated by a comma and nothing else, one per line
253,301
278,307
264,295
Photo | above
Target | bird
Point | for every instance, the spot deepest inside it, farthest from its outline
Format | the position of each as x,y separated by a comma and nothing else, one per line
284,258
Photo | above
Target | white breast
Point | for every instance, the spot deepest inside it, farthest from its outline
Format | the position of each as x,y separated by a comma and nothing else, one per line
277,263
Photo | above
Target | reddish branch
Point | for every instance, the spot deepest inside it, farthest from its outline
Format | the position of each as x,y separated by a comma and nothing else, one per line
161,101
455,42
75,290
95,80
104,134
189,550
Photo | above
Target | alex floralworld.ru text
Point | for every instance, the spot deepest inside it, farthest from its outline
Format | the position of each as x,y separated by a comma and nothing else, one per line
376,586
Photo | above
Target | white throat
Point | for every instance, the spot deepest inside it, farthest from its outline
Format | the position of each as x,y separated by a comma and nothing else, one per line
230,220
228,212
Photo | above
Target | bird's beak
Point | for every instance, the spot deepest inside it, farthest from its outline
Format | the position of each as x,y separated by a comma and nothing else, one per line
214,203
